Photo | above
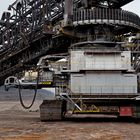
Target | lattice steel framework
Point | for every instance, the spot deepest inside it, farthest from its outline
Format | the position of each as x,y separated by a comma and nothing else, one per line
34,28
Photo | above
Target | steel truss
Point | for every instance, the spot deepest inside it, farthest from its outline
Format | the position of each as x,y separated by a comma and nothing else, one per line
26,34
32,28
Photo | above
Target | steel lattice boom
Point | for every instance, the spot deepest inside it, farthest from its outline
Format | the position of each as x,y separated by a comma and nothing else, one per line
33,28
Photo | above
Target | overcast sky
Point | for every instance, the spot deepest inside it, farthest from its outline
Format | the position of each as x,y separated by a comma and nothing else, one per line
133,6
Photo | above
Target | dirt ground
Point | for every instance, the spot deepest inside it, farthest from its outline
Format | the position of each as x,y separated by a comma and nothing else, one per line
19,124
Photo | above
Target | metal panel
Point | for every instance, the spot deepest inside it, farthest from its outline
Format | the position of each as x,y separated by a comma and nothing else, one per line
104,83
80,61
126,59
47,93
77,60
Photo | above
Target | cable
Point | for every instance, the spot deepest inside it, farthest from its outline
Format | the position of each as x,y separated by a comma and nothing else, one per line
20,96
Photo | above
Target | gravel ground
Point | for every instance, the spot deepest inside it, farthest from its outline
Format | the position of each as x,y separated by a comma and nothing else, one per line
19,124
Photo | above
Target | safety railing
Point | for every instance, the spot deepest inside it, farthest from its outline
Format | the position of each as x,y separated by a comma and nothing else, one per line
105,15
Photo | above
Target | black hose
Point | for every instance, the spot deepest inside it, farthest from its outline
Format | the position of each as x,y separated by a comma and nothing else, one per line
20,96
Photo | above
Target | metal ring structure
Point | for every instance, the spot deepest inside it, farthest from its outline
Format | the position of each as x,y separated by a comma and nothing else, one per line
106,16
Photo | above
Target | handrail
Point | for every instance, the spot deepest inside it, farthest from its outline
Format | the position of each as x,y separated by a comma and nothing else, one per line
103,15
